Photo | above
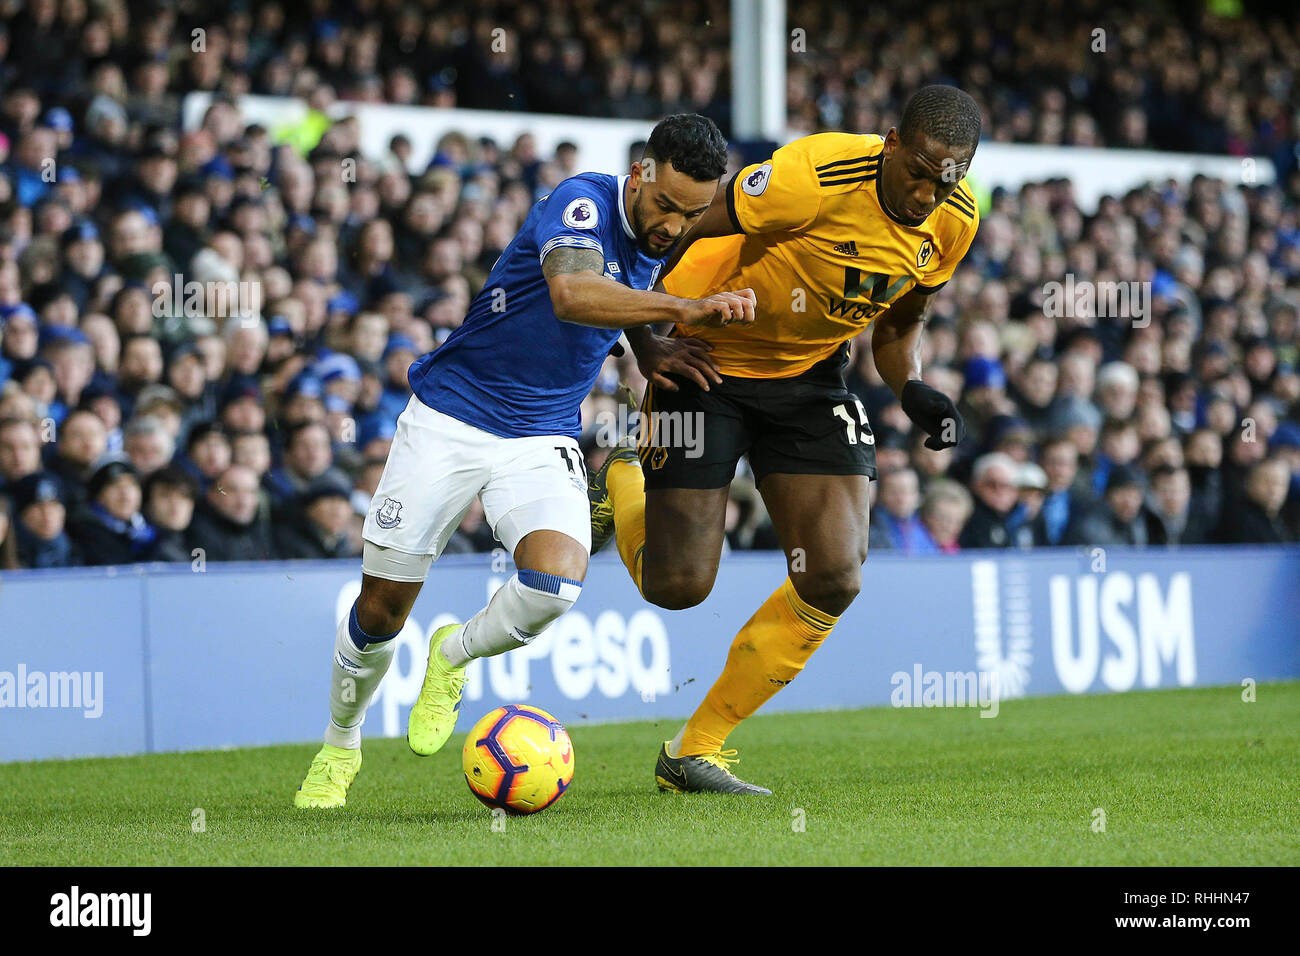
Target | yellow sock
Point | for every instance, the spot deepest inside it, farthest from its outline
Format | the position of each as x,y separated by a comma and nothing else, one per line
627,494
769,652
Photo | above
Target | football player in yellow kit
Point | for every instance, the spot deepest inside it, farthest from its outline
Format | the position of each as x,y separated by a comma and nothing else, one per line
836,233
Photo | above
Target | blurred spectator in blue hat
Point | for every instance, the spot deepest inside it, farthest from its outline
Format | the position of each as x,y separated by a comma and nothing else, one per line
340,375
60,120
40,520
983,397
344,303
399,353
375,437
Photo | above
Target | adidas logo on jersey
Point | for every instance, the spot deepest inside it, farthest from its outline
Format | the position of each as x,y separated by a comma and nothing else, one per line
849,248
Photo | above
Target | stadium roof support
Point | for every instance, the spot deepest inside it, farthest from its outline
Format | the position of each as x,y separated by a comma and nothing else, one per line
758,51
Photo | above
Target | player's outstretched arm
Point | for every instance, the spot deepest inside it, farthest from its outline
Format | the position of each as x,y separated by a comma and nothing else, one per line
896,347
580,293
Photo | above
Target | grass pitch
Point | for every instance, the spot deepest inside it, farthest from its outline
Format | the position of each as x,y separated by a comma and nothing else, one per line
1187,777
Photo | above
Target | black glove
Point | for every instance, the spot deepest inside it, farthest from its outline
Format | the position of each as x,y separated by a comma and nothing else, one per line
935,412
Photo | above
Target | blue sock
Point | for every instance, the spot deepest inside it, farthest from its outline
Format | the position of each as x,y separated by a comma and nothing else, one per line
359,637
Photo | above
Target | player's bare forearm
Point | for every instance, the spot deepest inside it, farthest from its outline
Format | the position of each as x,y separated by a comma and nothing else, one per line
580,293
896,341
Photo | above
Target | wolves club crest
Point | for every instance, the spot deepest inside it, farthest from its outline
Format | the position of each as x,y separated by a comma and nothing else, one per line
924,253
389,514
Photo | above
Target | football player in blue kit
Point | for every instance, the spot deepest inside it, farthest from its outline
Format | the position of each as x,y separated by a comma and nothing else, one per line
495,415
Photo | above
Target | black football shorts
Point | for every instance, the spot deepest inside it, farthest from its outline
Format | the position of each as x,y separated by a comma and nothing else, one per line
810,424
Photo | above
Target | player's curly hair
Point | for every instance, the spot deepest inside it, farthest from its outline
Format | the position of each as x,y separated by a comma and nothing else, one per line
692,143
944,113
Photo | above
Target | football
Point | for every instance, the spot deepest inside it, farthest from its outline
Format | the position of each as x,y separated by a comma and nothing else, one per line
518,758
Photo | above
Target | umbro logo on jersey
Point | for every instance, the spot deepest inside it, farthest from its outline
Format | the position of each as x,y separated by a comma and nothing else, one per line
849,248
612,267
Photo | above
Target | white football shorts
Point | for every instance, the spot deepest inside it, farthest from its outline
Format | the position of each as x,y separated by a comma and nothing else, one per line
438,464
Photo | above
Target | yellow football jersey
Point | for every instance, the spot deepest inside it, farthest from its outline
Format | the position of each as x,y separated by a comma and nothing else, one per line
821,255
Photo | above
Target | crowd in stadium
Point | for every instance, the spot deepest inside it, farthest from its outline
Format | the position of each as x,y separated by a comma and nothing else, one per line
137,425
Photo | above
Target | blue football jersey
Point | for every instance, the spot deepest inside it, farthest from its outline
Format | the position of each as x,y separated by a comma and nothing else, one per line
513,368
